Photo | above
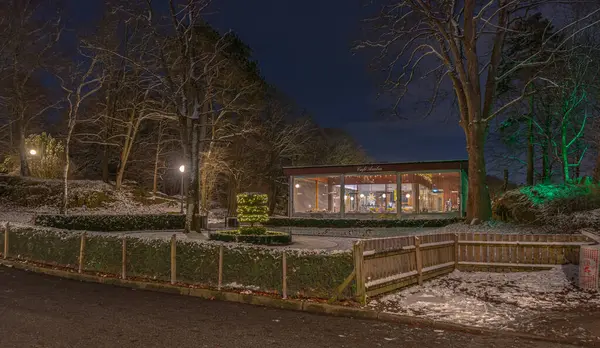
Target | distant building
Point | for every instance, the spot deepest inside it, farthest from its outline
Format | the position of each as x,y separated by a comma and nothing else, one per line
383,190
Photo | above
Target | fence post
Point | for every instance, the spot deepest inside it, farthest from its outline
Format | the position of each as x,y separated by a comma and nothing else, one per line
284,272
124,259
456,251
359,249
220,283
173,259
419,259
6,231
81,251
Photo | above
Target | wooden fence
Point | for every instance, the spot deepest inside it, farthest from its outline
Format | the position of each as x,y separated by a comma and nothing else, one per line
386,264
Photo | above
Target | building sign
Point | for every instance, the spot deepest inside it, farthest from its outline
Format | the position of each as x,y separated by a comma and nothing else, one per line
363,169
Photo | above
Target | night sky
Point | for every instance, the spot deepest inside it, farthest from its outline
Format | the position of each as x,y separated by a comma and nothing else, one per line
304,49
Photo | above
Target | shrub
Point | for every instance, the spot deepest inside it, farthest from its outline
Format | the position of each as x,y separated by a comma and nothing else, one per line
268,238
108,223
255,230
252,209
310,273
358,223
542,203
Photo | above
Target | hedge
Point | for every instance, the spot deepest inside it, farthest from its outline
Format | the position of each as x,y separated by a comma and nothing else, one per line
108,223
359,223
309,274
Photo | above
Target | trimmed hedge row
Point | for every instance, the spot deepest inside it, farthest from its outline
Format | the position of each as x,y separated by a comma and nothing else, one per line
309,273
110,223
359,223
269,238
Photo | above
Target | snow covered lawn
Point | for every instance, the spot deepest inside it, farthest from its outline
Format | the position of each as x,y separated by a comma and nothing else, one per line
514,301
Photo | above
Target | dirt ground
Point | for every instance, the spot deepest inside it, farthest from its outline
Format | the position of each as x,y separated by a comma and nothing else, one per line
545,303
41,311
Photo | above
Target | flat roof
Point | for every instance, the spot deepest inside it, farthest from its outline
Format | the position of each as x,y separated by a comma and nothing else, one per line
378,167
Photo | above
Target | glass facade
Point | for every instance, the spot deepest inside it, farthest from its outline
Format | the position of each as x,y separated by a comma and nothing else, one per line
431,192
377,194
369,194
316,195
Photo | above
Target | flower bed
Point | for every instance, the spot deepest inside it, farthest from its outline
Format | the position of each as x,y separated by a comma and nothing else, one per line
358,223
110,223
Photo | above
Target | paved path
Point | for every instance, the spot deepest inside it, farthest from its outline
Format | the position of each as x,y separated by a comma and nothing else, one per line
42,311
299,242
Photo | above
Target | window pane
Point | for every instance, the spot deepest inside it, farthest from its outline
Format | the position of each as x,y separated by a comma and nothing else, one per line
431,192
317,195
370,194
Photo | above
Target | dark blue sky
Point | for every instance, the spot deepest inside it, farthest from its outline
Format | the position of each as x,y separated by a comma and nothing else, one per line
303,48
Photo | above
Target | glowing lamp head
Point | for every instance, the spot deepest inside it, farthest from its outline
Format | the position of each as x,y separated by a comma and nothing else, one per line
32,152
352,198
362,195
383,195
297,185
408,195
182,168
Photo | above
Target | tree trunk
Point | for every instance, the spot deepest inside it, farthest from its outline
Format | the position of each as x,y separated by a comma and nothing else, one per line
596,176
104,164
564,154
231,196
23,152
505,183
530,153
273,197
65,196
478,199
129,140
192,192
157,158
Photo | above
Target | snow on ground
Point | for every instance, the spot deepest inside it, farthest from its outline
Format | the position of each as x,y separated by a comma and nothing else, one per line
495,300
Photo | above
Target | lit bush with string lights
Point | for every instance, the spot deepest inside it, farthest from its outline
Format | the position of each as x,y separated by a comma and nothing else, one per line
252,209
252,213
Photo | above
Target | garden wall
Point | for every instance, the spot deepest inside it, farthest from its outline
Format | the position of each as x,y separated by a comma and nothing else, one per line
309,273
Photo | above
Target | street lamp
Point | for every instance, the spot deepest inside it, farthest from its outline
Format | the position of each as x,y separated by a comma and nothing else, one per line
182,170
32,152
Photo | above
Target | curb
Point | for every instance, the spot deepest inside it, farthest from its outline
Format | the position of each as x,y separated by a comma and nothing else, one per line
294,305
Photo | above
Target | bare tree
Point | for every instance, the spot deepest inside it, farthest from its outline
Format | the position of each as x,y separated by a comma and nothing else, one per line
461,42
78,86
28,39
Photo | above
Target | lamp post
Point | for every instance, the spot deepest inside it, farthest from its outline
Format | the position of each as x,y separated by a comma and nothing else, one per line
182,170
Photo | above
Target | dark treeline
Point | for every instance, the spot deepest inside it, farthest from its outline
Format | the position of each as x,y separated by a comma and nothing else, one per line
140,92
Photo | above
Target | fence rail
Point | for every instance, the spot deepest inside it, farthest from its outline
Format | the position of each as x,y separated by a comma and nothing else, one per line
387,264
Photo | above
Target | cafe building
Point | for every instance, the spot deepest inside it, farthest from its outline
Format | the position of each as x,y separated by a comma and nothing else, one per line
384,190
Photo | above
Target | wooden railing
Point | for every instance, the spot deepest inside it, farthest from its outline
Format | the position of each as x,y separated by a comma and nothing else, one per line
386,264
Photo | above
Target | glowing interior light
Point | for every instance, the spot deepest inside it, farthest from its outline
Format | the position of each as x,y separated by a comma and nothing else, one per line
408,195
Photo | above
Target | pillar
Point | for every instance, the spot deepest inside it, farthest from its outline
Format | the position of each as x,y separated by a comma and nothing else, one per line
416,204
398,195
291,195
342,194
330,207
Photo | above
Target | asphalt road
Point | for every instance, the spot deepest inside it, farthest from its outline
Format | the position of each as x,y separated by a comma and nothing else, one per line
42,311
